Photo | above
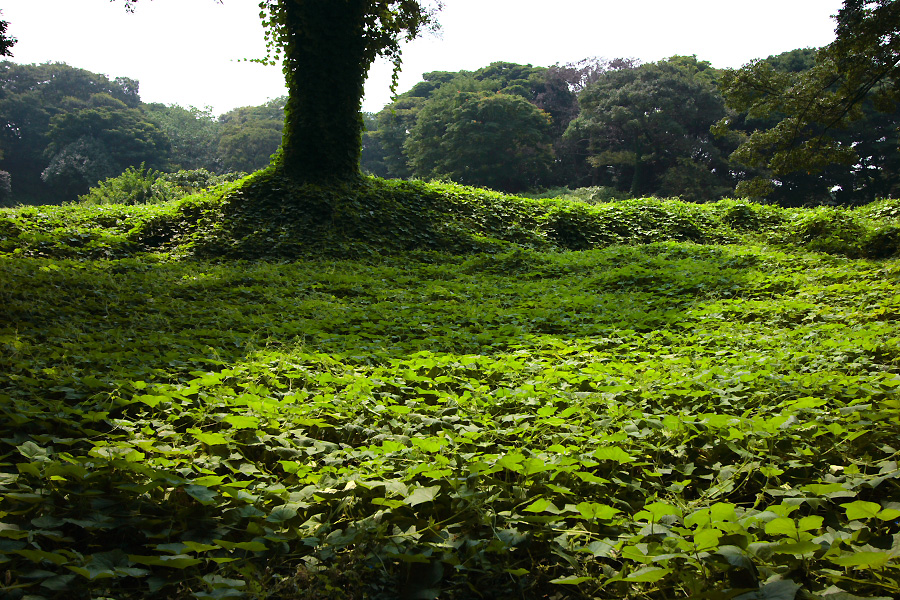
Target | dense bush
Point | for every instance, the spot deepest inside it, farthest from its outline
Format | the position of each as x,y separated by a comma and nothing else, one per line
146,186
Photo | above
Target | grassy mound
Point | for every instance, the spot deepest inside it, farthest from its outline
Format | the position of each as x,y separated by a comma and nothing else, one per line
436,401
268,216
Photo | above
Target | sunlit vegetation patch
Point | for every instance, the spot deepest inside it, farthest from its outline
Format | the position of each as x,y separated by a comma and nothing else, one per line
652,421
250,219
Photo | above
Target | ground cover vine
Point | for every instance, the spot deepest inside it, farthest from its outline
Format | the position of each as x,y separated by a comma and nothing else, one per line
664,420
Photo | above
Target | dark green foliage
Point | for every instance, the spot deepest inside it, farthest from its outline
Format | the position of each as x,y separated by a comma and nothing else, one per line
5,188
68,123
377,217
146,186
494,140
6,40
646,130
250,135
810,119
666,420
509,136
194,136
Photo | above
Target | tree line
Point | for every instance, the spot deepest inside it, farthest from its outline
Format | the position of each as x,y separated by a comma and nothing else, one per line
676,127
63,129
668,128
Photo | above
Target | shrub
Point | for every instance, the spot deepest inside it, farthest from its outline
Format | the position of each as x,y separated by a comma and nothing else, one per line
143,186
833,231
5,189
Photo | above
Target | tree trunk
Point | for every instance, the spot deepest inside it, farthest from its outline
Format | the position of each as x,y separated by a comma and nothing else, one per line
325,69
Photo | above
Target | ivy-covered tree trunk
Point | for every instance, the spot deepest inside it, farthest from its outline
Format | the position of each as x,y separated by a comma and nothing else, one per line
326,68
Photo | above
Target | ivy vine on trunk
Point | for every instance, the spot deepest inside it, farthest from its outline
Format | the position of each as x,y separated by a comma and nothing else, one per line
326,48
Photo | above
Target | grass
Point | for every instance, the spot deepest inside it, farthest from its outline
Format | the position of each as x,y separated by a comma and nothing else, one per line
658,419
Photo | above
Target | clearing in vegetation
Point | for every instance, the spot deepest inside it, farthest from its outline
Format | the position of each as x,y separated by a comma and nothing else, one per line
422,394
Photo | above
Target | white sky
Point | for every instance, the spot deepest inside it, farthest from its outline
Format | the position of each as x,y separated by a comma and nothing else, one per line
190,51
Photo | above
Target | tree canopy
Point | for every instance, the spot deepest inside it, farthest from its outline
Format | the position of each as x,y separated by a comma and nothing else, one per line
6,40
810,111
332,43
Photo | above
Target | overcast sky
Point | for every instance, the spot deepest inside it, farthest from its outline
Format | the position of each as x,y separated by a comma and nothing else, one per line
191,52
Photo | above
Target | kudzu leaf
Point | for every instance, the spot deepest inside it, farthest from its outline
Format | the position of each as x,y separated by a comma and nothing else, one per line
783,589
422,494
210,439
706,539
594,510
874,560
861,510
812,523
542,505
571,580
242,422
648,574
283,513
797,548
782,526
198,547
613,453
249,546
177,561
201,494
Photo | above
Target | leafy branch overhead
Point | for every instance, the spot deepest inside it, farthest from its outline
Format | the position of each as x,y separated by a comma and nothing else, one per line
860,68
6,41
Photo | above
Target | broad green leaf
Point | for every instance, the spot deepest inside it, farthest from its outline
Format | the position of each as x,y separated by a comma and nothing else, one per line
801,548
874,560
613,453
210,439
812,523
648,574
201,494
861,509
176,561
782,526
282,513
656,510
783,589
541,505
242,422
707,539
249,546
594,510
421,495
198,547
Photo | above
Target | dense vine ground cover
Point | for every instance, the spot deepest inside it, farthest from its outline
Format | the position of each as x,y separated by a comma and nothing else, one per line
666,420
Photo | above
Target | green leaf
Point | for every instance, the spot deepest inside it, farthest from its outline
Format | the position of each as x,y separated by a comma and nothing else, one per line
648,574
873,560
201,494
176,561
783,589
707,539
861,509
613,453
571,580
542,505
249,546
242,422
801,548
782,526
282,513
210,439
421,495
594,510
